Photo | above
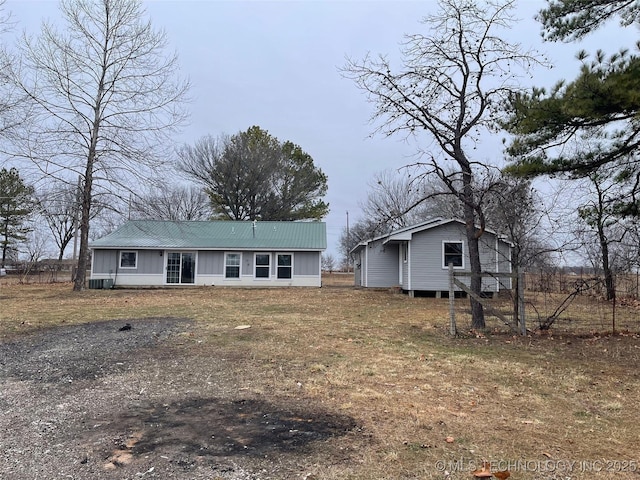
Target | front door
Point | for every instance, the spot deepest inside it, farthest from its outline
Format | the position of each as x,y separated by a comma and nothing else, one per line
181,267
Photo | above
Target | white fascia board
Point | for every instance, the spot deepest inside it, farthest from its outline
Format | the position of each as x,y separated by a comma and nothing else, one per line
399,237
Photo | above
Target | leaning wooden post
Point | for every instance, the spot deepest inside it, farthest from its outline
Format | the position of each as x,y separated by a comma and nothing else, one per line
452,310
523,324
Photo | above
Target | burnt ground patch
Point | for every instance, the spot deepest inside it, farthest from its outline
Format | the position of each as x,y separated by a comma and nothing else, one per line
228,427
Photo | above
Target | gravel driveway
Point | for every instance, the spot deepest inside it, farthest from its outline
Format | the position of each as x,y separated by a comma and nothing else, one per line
131,399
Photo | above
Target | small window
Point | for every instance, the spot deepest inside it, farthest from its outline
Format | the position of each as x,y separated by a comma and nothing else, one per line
263,265
452,254
284,265
128,259
232,265
405,251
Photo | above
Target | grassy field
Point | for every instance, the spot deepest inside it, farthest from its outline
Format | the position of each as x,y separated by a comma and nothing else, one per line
556,405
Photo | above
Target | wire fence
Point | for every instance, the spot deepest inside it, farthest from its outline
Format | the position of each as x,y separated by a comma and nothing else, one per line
627,285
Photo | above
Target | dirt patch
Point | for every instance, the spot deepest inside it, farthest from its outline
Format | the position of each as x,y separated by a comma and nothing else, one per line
87,351
137,398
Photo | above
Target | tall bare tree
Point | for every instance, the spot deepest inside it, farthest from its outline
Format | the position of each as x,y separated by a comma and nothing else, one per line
59,205
106,98
13,110
172,203
600,228
450,87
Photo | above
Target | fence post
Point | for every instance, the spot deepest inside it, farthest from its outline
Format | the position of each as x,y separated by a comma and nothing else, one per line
452,311
523,325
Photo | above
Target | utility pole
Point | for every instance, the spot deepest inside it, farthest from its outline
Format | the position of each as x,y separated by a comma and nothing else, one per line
348,244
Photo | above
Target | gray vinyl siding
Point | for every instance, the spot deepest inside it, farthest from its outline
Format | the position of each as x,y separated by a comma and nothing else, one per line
427,264
210,263
425,256
105,261
382,265
148,262
495,257
247,263
504,263
306,263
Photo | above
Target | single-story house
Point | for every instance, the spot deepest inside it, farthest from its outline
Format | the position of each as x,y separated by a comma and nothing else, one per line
223,253
416,258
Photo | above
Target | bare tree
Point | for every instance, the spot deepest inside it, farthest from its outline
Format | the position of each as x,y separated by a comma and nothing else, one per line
601,229
396,200
105,99
13,109
328,263
514,210
451,86
178,203
59,205
33,250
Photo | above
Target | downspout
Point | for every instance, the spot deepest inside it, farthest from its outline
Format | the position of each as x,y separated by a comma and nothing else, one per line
365,273
408,266
117,264
400,264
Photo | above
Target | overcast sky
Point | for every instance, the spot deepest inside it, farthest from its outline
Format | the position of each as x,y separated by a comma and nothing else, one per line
276,64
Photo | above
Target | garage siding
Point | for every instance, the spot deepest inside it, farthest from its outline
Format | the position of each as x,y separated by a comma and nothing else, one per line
382,265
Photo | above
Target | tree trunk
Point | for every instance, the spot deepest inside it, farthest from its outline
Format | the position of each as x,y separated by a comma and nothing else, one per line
477,311
609,284
83,256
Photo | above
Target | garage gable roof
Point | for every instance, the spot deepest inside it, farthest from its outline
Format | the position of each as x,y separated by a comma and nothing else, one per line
240,235
406,233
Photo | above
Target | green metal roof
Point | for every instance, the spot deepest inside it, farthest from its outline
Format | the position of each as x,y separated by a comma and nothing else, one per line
240,235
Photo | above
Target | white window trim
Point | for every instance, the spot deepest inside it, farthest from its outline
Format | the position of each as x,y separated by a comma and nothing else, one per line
461,242
135,252
278,266
226,254
255,266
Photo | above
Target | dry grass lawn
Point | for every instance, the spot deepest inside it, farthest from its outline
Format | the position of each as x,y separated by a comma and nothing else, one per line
559,405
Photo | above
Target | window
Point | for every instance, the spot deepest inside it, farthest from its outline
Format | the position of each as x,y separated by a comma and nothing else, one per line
405,251
263,265
232,265
284,265
452,253
128,259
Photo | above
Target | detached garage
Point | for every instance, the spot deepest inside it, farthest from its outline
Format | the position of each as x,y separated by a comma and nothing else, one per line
416,258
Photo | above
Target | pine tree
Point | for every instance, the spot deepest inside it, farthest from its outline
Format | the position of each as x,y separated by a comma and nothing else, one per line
16,205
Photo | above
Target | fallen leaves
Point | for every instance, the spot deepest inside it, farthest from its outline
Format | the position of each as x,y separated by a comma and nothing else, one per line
503,475
485,472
